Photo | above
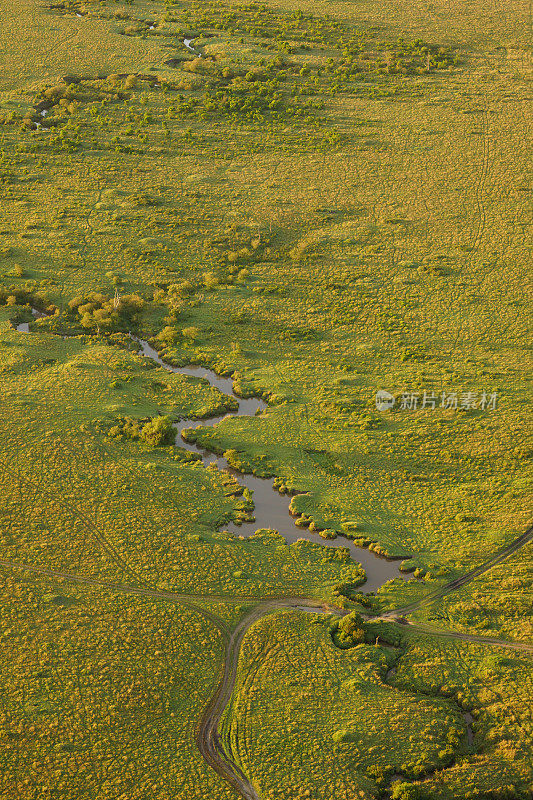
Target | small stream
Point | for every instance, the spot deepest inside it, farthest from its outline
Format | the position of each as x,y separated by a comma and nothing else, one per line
468,718
271,511
271,508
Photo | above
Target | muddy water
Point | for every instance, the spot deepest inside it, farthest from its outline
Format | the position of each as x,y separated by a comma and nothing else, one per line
24,327
468,718
271,508
188,45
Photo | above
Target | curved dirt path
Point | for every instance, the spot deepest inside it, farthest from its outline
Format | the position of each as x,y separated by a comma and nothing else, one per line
218,754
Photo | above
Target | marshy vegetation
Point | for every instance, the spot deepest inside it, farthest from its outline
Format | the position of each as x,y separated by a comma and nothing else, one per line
324,202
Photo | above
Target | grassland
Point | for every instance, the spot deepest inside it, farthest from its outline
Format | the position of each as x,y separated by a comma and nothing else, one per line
82,502
388,715
332,200
101,696
38,47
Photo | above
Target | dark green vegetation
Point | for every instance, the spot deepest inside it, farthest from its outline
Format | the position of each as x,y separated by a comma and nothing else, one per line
392,706
326,201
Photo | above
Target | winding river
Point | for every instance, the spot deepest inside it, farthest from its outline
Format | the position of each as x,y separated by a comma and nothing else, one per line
271,509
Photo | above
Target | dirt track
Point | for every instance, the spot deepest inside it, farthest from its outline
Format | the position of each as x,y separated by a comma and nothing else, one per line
218,754
468,577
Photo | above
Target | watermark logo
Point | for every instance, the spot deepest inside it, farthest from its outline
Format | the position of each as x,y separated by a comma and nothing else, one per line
412,401
384,400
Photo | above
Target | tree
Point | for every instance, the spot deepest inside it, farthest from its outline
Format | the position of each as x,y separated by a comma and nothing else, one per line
350,631
158,431
405,791
168,335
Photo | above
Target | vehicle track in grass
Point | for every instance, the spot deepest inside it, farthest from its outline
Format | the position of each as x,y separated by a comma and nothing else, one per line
500,555
216,751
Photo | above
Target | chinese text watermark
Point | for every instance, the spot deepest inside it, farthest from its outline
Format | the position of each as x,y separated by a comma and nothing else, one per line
412,401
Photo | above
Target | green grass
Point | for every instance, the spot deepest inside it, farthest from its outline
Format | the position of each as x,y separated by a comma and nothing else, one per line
319,210
123,509
39,47
348,727
98,701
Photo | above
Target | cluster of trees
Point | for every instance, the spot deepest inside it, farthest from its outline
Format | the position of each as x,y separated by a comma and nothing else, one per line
61,100
98,312
399,58
259,93
257,19
155,432
348,631
25,296
271,90
248,97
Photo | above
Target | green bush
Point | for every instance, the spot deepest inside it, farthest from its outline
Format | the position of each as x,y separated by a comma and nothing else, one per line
168,335
158,431
348,631
191,332
405,791
155,432
349,590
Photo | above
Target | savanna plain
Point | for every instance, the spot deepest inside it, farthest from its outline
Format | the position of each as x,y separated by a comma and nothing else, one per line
224,227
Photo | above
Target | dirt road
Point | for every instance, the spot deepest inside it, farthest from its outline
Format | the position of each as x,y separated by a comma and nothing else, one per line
218,754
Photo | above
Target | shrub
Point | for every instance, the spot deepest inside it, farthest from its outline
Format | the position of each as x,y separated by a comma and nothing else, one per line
158,431
405,791
210,280
348,631
198,65
168,335
191,332
328,533
342,735
181,289
349,590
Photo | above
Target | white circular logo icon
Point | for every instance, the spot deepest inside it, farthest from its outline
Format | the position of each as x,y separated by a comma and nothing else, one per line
384,400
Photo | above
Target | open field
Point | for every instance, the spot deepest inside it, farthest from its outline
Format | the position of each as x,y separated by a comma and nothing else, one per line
75,500
378,712
39,47
101,697
415,290
324,199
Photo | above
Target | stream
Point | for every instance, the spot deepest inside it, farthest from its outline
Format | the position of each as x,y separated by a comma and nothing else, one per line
271,509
